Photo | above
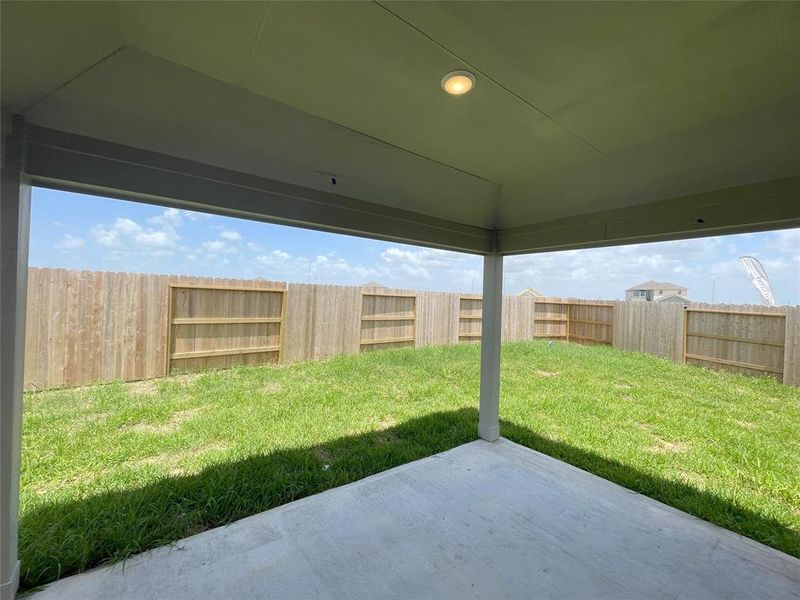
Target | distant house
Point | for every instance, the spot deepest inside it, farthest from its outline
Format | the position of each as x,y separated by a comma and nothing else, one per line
371,284
531,292
658,291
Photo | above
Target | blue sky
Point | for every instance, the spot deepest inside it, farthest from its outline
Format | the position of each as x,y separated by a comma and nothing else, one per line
77,231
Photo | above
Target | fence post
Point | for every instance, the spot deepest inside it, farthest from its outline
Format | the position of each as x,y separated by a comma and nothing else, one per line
685,332
569,314
791,347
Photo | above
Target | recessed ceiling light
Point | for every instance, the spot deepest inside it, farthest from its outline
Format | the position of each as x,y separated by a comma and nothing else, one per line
457,83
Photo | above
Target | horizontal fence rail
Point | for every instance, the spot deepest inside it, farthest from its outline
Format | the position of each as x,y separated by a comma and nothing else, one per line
85,327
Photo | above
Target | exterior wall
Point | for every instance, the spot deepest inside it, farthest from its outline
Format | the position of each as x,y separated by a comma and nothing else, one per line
656,294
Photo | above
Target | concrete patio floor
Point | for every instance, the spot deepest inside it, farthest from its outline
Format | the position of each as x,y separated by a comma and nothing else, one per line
484,520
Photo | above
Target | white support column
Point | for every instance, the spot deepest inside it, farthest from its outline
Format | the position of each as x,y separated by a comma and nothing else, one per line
14,231
489,420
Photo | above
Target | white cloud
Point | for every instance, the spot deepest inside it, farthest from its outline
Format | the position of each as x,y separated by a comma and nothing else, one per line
70,242
170,217
322,268
396,266
134,246
786,243
175,217
196,216
215,250
602,272
425,263
214,246
699,264
598,273
229,234
127,233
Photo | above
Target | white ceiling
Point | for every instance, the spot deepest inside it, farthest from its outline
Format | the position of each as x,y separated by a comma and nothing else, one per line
578,108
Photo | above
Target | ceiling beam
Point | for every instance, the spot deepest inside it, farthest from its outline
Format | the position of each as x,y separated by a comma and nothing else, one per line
70,162
760,206
76,163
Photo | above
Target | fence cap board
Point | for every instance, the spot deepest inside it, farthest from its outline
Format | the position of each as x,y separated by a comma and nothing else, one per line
390,294
736,312
188,286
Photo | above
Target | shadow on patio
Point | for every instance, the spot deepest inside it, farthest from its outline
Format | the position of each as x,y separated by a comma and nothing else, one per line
62,539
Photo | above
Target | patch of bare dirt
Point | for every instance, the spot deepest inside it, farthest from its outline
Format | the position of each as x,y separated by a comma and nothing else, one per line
217,446
63,483
691,478
668,447
542,373
175,421
387,422
323,455
186,378
146,387
86,420
164,458
172,460
385,437
272,388
746,424
622,386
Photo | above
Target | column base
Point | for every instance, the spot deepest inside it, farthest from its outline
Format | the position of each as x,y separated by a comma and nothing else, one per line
490,433
8,589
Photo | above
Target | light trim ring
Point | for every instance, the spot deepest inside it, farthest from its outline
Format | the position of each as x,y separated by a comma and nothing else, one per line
458,83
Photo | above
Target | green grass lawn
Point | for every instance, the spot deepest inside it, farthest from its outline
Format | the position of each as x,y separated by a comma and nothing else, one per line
118,468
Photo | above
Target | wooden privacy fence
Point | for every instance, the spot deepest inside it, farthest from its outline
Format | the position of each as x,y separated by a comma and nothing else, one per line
470,313
84,327
388,319
90,326
750,342
217,326
574,320
590,322
551,319
650,328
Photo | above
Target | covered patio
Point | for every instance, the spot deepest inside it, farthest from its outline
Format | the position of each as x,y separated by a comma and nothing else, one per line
484,520
588,125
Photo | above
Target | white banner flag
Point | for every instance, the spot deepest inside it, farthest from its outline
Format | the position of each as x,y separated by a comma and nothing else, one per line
757,274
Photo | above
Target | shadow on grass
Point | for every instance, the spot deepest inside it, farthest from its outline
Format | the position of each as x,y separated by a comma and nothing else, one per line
61,539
